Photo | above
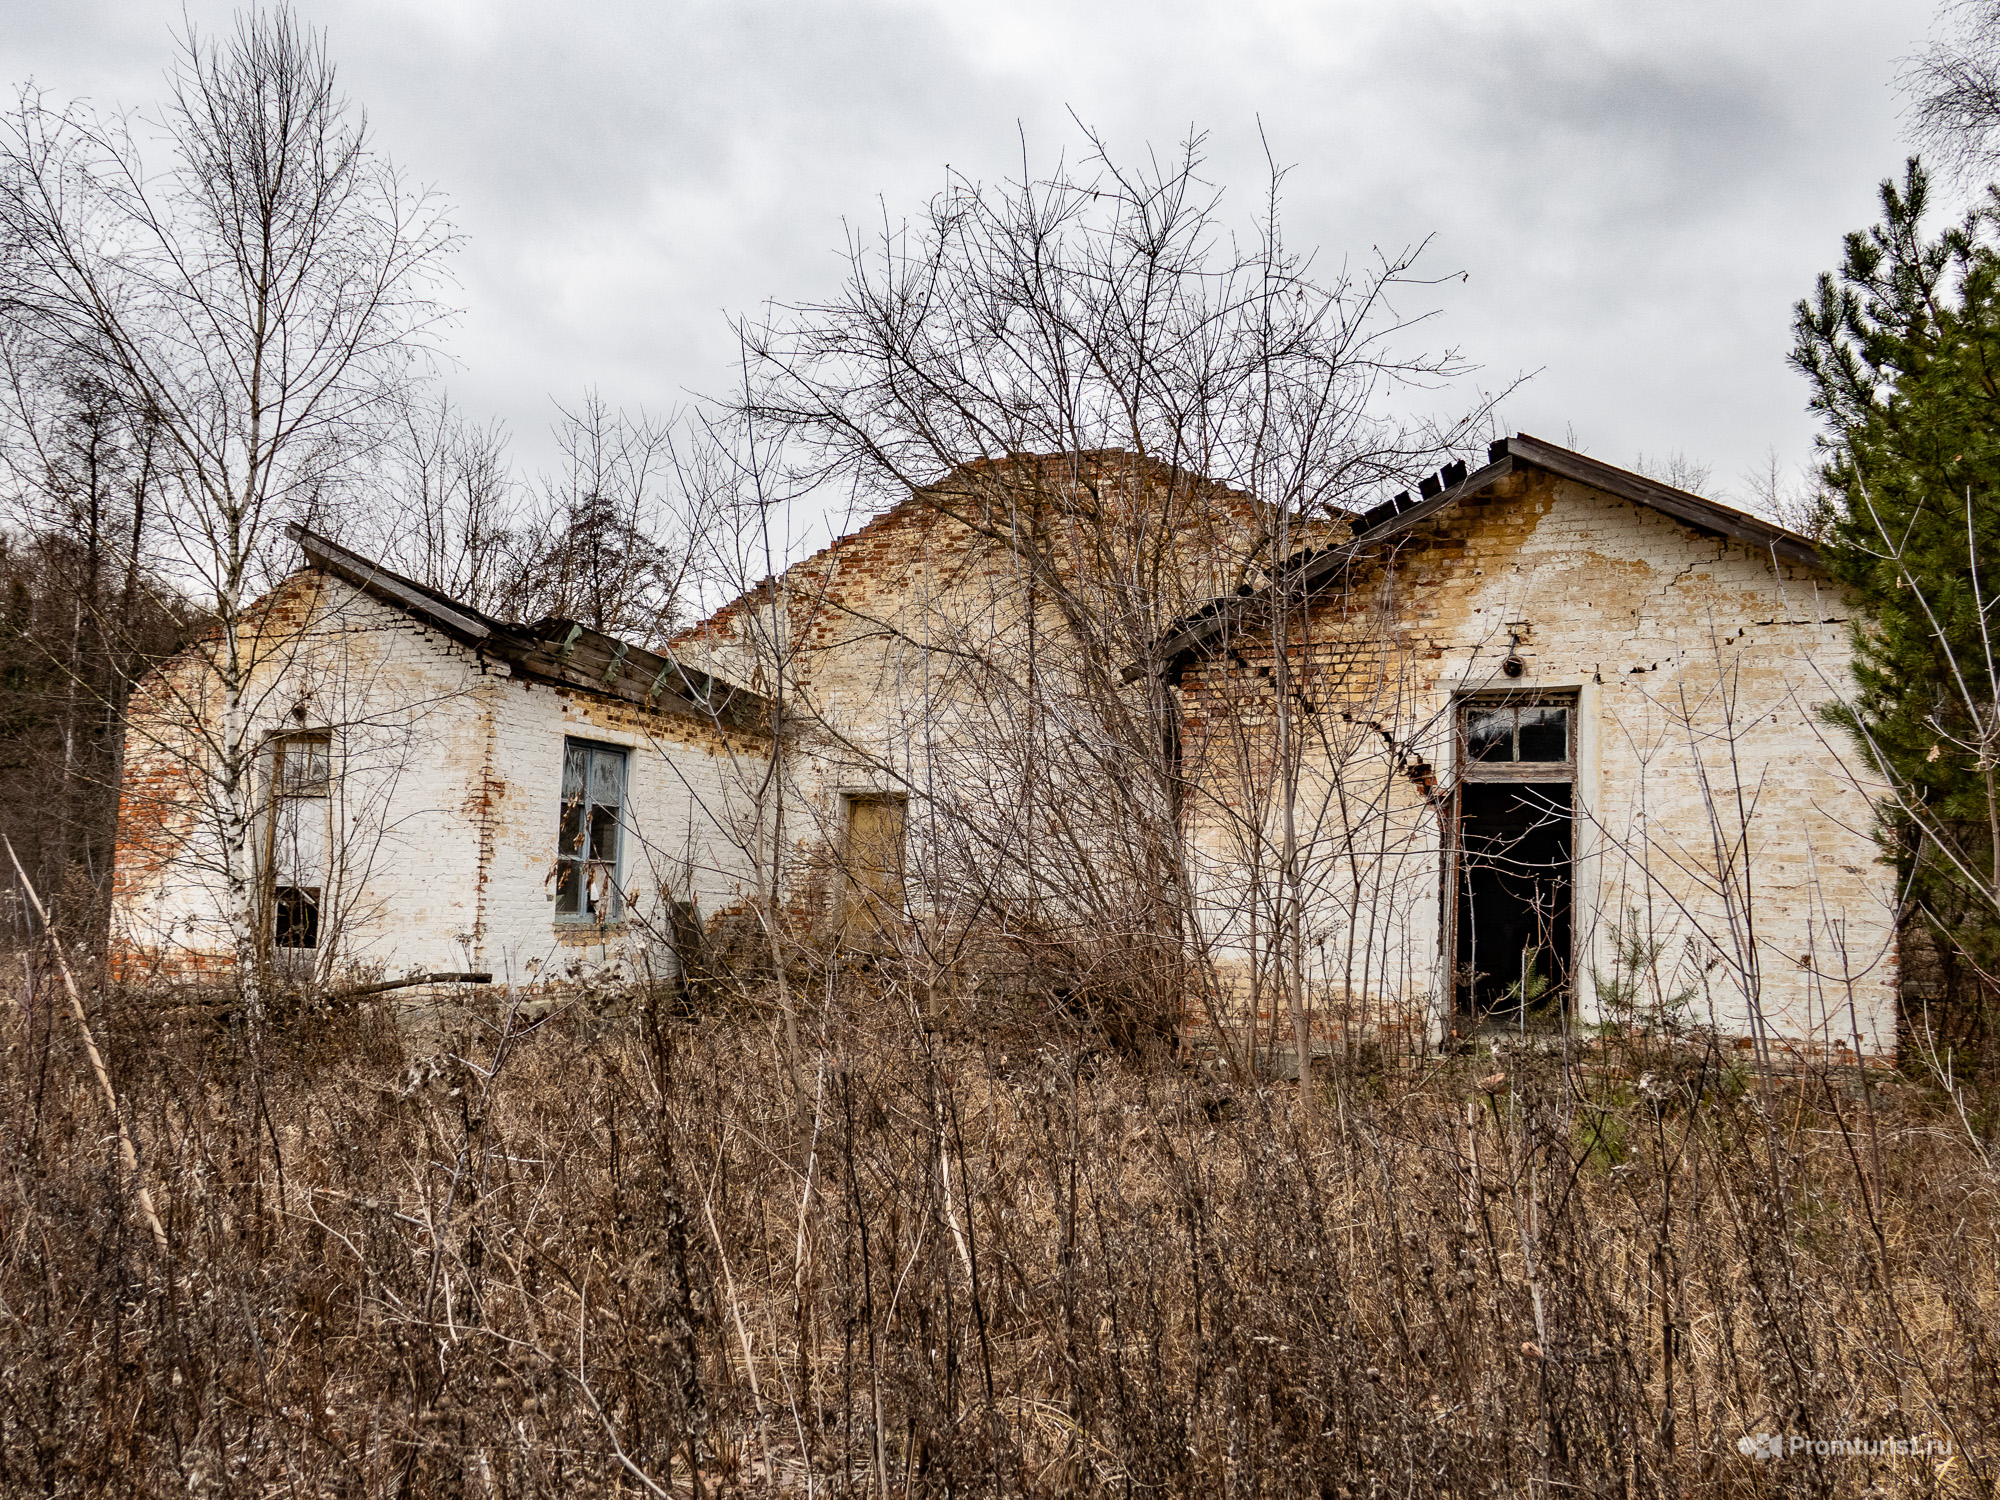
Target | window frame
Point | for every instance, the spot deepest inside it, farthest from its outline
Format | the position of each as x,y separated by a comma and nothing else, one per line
614,907
1471,769
282,902
1468,771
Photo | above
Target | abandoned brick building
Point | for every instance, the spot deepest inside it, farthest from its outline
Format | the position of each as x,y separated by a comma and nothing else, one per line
1571,715
437,791
1539,742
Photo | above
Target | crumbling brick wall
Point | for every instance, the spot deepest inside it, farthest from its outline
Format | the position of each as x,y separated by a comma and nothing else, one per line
917,646
446,784
1716,812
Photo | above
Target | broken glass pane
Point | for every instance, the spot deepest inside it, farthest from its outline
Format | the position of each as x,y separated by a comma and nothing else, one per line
1545,733
593,796
600,896
1489,733
295,916
302,766
604,833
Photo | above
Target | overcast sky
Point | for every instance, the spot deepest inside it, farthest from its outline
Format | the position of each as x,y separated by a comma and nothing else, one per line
1638,192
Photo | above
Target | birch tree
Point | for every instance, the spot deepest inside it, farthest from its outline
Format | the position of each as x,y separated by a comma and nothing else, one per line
250,279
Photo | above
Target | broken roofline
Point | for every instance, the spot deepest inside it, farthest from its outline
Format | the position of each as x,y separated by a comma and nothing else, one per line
575,656
1305,570
973,478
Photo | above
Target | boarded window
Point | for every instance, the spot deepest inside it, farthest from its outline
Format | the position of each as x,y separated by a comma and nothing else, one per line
299,854
588,833
876,827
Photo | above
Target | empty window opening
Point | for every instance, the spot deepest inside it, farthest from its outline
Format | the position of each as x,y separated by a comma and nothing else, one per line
588,833
295,916
297,856
1513,863
877,826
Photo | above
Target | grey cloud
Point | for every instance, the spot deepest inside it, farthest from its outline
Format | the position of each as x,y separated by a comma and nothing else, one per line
1638,193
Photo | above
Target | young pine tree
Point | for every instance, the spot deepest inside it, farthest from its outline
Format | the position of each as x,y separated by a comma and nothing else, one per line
1902,347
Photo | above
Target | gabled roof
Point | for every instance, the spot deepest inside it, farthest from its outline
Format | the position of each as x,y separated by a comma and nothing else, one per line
552,650
1520,453
1525,452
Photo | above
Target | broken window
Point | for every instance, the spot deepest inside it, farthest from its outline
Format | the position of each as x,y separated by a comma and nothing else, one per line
1534,733
876,828
587,836
1512,861
300,837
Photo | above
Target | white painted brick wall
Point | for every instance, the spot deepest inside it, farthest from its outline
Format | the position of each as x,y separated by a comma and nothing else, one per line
439,757
1700,671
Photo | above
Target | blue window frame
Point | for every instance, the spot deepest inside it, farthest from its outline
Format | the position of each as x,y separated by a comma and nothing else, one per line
588,835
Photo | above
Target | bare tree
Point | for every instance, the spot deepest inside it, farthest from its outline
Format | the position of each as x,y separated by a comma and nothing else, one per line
1133,413
1953,89
254,302
1676,469
609,541
454,504
1795,499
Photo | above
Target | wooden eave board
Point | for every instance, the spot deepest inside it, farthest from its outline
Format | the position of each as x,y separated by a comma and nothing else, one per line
392,589
1696,510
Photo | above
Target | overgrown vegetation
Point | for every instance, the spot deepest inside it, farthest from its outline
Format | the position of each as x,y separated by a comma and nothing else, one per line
838,1236
600,1254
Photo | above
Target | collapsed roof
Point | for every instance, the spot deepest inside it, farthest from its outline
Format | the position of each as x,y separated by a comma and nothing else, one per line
554,650
1304,571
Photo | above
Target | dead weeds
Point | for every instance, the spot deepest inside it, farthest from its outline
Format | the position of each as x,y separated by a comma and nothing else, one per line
572,1256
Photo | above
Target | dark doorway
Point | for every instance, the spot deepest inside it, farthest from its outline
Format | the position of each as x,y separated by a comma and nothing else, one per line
1514,882
1513,862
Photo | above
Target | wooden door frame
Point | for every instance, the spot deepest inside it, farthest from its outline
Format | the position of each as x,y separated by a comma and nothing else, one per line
1451,818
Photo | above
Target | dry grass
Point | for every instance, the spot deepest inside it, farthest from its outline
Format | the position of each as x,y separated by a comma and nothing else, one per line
599,1258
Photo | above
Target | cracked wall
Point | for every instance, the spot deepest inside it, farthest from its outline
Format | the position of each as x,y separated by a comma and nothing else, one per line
1718,815
447,775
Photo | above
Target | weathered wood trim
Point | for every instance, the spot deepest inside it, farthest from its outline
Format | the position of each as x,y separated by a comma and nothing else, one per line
372,578
1696,510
